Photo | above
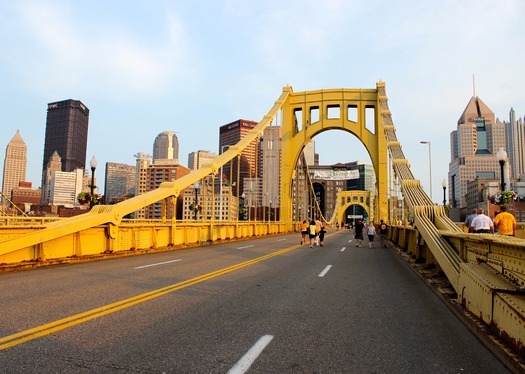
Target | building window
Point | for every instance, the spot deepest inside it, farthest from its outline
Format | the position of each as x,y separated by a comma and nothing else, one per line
481,136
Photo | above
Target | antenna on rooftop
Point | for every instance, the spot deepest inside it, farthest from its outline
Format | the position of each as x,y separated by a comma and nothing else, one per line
473,85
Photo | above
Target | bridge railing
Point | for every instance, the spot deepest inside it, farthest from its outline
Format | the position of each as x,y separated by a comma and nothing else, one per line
132,236
486,271
33,243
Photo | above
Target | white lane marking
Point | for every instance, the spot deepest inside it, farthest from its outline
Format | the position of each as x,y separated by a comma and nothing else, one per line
247,246
247,360
343,249
350,241
159,263
326,269
280,240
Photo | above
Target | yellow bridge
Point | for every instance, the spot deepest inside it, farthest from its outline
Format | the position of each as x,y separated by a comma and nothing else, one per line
486,271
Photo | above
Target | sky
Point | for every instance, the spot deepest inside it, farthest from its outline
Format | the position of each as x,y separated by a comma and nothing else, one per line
147,66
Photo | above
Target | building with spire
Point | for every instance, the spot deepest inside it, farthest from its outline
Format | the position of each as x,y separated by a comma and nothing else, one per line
473,146
15,164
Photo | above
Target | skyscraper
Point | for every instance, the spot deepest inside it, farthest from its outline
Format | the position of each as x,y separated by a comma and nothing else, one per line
229,135
474,145
271,160
199,158
515,139
120,181
15,164
141,179
54,164
166,147
66,133
157,173
65,187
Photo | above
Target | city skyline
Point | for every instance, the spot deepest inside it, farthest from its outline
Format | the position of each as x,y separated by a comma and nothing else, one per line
141,78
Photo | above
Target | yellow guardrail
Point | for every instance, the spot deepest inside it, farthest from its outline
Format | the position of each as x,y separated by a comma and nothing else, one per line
486,271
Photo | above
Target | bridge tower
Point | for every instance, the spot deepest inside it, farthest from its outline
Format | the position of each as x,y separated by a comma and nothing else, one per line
307,114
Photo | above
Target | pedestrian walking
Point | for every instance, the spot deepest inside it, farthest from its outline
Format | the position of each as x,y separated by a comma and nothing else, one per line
318,226
311,233
371,233
468,220
304,232
482,224
321,236
505,222
383,233
358,232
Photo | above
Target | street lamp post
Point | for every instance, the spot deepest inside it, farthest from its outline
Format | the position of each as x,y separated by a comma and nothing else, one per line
196,204
254,203
429,163
93,164
265,206
444,185
502,157
243,197
220,188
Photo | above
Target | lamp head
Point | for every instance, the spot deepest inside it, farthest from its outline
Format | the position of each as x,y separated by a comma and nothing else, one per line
501,155
444,183
93,163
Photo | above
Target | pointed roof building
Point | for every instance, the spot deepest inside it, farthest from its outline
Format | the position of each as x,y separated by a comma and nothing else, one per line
473,148
15,164
476,109
54,164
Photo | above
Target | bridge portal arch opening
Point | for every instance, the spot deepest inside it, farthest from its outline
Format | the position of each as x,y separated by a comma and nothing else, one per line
336,160
353,213
308,115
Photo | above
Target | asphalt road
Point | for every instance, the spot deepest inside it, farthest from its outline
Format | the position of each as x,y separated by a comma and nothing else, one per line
260,306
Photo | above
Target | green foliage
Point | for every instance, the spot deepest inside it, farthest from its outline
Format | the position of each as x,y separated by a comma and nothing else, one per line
503,197
85,198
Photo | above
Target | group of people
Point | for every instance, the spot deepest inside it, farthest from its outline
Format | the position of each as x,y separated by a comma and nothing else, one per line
360,227
503,224
314,232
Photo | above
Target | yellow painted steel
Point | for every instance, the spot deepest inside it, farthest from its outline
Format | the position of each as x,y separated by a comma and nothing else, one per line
61,236
113,214
487,272
349,198
331,108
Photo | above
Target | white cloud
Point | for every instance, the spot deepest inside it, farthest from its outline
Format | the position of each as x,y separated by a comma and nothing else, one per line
96,57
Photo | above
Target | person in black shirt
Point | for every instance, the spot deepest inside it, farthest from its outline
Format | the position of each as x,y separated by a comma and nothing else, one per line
383,233
358,232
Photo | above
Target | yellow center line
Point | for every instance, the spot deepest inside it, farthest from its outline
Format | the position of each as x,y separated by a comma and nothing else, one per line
61,324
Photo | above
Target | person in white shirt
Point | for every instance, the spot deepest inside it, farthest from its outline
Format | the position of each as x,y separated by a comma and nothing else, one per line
371,233
482,224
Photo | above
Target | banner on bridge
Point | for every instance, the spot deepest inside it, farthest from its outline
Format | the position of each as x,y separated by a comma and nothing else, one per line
336,175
